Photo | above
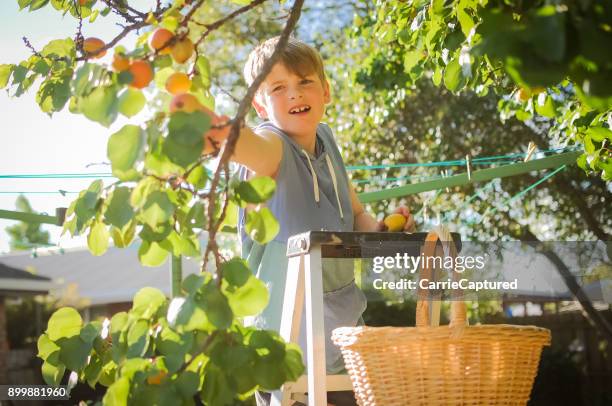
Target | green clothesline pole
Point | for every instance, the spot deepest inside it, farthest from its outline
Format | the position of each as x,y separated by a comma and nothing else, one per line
176,275
476,176
176,266
57,220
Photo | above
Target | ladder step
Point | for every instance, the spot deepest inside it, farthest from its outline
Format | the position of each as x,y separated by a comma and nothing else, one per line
333,383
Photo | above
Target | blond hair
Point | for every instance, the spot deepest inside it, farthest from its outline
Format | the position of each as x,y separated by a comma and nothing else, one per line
297,57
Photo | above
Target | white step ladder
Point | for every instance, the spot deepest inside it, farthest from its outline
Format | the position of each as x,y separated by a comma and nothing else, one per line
304,286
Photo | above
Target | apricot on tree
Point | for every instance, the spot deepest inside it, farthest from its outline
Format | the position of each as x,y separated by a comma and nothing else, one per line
161,37
178,83
120,62
182,50
142,74
91,45
185,102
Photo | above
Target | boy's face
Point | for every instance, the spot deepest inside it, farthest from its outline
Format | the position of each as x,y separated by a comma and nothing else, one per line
295,104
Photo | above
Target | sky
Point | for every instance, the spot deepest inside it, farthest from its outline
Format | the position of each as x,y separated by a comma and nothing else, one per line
33,143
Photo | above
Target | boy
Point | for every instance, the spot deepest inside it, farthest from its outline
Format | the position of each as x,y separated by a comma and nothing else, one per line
313,191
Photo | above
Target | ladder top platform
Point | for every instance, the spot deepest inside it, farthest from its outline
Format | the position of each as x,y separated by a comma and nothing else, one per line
356,244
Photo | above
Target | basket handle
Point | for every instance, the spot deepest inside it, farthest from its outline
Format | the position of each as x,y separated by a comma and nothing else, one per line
458,310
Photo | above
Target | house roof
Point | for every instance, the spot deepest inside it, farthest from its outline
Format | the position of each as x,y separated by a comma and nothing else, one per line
110,278
16,282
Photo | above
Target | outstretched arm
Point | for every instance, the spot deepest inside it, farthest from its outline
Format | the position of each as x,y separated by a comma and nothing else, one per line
260,152
363,221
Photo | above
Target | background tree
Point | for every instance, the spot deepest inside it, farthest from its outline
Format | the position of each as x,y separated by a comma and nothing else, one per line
24,236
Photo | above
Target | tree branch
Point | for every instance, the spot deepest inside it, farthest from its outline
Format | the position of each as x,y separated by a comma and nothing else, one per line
600,323
238,120
213,26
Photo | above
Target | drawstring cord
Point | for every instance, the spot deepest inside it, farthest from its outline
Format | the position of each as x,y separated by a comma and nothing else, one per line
315,181
335,183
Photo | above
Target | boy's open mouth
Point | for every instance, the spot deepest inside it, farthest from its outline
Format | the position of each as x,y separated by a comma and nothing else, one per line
300,109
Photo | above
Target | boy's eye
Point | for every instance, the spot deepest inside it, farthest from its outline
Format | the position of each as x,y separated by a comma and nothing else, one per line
306,81
276,88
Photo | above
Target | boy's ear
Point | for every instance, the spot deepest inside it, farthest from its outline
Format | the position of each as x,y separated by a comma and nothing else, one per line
259,108
326,92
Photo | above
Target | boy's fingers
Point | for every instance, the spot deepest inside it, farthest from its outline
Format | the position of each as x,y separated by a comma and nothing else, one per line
410,225
403,210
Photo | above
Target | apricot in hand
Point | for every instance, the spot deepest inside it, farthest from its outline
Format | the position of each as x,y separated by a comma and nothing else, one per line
395,222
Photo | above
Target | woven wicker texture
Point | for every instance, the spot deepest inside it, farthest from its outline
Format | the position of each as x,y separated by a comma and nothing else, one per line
442,365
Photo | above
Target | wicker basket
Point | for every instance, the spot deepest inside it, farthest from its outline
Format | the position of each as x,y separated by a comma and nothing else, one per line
443,365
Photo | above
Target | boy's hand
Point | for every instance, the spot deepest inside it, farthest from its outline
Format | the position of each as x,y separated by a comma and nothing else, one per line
218,133
409,226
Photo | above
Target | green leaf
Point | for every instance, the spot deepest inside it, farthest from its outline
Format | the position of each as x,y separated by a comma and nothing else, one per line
249,299
60,48
261,225
217,307
198,177
64,323
125,149
100,105
294,366
188,384
466,21
158,234
91,331
46,347
185,140
134,365
236,271
87,78
131,101
23,3
196,217
157,209
54,92
546,33
119,212
53,370
186,314
174,347
217,389
138,339
202,76
19,73
151,254
411,59
453,78
142,190
92,371
183,245
38,4
256,190
85,205
74,352
599,133
545,105
117,393
5,74
97,240
192,283
147,301
123,237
